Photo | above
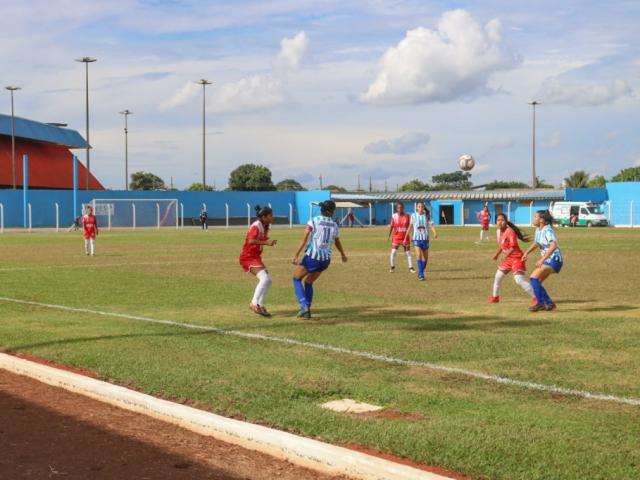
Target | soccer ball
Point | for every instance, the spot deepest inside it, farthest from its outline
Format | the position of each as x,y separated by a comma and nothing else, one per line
466,162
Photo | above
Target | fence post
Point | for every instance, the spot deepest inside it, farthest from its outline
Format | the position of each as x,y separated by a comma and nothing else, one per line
310,210
462,215
25,188
109,217
57,216
609,208
370,214
290,216
182,215
1,218
531,213
509,211
133,208
29,209
248,215
158,216
226,215
631,214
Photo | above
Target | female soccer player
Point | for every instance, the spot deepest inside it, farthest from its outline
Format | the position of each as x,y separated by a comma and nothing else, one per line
419,230
513,262
550,262
398,228
484,217
319,235
251,258
89,231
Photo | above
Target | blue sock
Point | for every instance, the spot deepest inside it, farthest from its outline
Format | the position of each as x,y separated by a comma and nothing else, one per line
421,265
424,267
300,293
540,292
308,293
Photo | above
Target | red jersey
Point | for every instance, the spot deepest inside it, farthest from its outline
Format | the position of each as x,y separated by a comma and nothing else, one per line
484,217
89,226
250,251
399,226
509,241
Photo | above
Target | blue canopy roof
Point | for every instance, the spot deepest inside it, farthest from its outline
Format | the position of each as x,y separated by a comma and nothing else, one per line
42,132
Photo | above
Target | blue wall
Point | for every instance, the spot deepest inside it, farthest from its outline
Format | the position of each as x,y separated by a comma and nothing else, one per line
624,203
596,195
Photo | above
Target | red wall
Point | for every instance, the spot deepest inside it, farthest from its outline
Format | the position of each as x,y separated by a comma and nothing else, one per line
50,165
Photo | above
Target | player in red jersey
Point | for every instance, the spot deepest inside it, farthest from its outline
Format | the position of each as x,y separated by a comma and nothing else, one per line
89,230
398,228
513,258
251,257
484,217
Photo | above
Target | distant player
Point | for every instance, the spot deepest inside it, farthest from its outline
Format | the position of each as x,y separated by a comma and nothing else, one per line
513,257
419,231
398,229
550,262
320,234
204,216
484,217
251,258
89,231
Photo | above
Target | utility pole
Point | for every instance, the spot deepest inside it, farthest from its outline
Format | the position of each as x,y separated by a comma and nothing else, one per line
370,185
12,89
87,61
534,177
358,183
204,82
126,114
320,181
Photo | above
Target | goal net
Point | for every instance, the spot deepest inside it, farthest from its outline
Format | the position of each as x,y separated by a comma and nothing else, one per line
136,213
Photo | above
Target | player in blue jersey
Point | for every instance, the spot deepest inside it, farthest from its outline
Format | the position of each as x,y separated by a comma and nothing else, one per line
419,230
550,262
320,234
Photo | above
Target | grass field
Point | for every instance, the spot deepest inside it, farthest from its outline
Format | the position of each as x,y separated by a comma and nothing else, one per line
472,426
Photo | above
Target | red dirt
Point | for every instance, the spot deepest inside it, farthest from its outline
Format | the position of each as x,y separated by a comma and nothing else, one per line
47,432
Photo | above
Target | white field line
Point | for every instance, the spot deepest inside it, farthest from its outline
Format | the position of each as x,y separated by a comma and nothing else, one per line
354,353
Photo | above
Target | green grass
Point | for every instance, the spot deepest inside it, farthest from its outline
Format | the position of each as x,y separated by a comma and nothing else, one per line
474,427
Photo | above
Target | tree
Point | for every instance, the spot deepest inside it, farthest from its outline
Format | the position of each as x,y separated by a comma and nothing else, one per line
335,189
250,177
146,181
598,182
578,179
541,183
631,174
197,187
414,185
499,184
289,184
452,181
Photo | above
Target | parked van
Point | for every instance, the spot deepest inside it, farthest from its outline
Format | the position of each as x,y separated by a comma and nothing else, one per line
579,214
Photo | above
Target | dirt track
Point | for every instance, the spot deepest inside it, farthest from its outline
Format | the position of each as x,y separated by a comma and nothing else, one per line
47,432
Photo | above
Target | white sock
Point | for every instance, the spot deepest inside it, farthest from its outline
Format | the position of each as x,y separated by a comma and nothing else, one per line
408,253
86,246
392,258
524,284
497,281
481,234
264,282
92,245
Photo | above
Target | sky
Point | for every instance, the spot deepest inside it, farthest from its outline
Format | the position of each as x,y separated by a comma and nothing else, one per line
387,89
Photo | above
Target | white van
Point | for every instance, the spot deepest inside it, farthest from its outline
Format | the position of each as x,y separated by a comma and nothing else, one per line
579,214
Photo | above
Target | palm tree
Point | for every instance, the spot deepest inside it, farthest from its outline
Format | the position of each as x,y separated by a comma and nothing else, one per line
578,179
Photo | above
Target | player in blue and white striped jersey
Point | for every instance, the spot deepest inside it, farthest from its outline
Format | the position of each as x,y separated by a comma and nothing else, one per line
419,230
551,259
320,234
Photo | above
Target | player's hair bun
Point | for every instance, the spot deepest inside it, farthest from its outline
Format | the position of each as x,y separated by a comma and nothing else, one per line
327,207
263,211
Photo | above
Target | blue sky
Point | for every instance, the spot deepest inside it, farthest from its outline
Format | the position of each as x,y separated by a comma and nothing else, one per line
388,89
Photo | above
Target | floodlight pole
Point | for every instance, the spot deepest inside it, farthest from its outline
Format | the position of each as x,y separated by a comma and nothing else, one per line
87,61
204,82
126,114
12,89
534,178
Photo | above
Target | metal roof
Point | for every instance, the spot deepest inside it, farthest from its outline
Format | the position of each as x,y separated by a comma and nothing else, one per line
42,132
481,195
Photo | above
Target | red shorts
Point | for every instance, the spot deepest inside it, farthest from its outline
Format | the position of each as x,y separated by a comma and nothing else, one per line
400,241
89,235
248,263
485,226
513,264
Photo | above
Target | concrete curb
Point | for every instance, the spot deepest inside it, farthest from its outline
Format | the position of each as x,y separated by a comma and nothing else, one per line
299,450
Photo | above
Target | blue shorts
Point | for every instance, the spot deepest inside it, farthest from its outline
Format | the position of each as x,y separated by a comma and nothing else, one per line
556,265
312,265
421,244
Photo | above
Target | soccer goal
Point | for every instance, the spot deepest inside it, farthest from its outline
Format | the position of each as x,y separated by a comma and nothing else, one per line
136,213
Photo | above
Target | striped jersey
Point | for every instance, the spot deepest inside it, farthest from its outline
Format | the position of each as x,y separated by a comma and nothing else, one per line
324,231
544,237
420,224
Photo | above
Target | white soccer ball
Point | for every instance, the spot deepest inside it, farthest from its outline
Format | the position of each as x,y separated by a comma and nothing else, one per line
466,162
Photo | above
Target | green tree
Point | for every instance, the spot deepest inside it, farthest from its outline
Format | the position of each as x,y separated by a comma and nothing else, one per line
598,182
250,177
146,181
335,189
502,184
452,181
197,187
414,185
578,179
631,174
289,184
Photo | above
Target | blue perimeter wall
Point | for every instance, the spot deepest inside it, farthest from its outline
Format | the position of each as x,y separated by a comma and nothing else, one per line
43,203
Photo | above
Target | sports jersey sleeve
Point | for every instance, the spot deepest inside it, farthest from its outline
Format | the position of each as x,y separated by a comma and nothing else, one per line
550,236
310,227
253,233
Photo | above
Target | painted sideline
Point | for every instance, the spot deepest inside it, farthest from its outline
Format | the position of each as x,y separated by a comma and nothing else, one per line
354,353
299,450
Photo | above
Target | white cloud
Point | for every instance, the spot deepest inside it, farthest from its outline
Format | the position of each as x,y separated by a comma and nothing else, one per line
403,145
182,96
454,61
553,141
247,94
555,91
291,51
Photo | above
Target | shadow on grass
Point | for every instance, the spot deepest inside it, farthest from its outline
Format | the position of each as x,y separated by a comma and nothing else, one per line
610,308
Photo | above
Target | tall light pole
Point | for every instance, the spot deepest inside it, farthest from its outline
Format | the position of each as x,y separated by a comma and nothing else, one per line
204,84
534,178
126,114
87,61
12,89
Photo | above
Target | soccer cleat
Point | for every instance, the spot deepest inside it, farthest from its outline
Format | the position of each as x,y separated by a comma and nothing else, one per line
304,313
421,279
412,270
265,313
257,309
537,307
493,299
392,269
550,307
533,302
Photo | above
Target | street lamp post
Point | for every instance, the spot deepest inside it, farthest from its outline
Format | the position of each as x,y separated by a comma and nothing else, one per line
534,178
126,114
12,89
87,61
204,84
